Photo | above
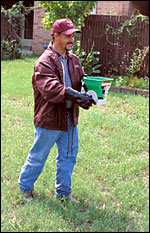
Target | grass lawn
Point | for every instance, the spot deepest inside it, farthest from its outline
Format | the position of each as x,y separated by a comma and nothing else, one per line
111,177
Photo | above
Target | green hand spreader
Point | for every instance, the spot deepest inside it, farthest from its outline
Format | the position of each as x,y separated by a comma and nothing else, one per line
98,88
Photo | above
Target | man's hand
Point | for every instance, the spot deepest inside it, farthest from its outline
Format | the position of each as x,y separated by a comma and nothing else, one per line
82,100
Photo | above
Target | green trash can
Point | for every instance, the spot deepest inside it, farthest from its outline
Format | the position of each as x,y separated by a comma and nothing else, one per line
100,85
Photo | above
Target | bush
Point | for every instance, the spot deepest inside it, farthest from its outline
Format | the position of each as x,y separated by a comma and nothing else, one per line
126,81
138,61
11,44
89,61
10,49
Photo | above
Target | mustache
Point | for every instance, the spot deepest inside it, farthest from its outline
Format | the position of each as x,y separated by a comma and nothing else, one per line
70,43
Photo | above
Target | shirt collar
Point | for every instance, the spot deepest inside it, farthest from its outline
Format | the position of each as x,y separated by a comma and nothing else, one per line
60,56
57,52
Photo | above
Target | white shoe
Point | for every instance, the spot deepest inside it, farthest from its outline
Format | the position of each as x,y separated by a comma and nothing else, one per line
68,199
73,200
28,196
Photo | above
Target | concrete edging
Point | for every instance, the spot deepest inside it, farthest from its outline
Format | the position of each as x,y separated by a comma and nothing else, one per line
130,90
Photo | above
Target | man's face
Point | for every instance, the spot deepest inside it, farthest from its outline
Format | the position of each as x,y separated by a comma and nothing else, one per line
65,41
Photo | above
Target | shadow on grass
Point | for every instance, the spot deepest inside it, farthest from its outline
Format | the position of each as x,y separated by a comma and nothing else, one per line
88,217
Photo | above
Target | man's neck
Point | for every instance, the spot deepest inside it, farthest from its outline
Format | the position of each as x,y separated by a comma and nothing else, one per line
59,50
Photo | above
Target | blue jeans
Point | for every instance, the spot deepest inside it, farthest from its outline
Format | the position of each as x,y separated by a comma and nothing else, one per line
44,140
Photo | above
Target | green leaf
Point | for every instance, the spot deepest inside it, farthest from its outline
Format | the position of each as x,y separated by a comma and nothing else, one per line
82,54
96,71
97,66
81,60
96,52
95,61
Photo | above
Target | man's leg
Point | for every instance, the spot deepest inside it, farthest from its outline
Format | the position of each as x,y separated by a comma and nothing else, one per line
43,142
67,152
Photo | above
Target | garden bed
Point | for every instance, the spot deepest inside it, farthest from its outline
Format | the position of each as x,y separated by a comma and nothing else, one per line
135,91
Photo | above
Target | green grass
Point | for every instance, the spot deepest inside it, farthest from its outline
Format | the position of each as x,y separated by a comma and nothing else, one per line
111,177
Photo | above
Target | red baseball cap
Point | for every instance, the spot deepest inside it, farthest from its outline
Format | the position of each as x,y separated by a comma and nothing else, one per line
64,26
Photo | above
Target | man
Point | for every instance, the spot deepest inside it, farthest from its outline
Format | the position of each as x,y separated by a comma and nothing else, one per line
57,85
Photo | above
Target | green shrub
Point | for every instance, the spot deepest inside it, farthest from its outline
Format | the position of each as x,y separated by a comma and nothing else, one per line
89,61
127,81
10,49
138,61
11,43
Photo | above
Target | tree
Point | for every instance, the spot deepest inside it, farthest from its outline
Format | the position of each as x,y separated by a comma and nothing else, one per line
74,10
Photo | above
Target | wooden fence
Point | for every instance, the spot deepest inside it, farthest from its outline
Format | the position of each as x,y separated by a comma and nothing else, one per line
6,28
114,58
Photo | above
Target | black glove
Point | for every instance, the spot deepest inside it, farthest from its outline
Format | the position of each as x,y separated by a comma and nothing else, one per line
82,100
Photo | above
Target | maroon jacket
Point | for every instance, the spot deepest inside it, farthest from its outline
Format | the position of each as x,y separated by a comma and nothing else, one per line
49,90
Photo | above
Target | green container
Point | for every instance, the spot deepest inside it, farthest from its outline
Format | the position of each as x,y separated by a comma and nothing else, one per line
100,85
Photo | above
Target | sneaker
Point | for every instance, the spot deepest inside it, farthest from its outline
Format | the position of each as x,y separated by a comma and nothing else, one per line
68,199
28,196
72,200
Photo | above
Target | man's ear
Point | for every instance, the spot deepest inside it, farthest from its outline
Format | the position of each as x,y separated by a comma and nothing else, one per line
56,35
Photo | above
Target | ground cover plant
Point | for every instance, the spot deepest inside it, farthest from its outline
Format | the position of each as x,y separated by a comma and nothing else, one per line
132,82
111,175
